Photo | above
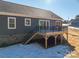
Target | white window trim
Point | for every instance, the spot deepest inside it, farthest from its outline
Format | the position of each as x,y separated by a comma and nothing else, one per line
25,21
14,21
45,21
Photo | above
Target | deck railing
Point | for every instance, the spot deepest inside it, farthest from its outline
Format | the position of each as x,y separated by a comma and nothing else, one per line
51,29
55,29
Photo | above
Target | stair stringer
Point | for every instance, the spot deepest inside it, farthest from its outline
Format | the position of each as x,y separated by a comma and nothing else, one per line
31,38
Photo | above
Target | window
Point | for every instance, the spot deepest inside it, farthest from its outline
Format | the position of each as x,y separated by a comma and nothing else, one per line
57,23
44,24
27,22
52,23
11,23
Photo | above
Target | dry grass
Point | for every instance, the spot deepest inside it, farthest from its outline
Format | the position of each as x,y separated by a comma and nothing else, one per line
74,41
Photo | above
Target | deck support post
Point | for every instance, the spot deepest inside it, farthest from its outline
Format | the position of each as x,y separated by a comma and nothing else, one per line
46,42
67,36
55,39
61,38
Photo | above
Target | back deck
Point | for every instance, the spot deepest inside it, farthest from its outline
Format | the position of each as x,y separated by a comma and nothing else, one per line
50,36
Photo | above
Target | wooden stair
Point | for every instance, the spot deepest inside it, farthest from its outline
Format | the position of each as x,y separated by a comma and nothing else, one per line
29,36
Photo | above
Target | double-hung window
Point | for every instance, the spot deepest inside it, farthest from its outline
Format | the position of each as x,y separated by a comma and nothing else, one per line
11,23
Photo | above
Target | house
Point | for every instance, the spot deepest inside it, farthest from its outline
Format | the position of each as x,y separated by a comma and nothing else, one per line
19,22
75,22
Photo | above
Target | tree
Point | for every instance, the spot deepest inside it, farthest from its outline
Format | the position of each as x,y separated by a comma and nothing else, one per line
77,17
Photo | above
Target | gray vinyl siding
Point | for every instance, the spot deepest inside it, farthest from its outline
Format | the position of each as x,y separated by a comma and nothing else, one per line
20,27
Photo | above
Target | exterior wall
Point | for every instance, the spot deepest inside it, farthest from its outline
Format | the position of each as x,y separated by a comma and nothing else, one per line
20,27
9,36
19,32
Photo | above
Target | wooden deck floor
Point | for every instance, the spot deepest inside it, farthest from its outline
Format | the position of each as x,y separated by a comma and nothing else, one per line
54,33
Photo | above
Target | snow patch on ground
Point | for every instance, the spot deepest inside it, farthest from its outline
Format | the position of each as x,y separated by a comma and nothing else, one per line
74,27
34,50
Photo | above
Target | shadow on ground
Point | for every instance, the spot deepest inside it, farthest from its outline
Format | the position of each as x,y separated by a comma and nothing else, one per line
35,49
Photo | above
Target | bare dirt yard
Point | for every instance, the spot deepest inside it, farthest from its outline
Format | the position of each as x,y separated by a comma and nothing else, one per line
73,39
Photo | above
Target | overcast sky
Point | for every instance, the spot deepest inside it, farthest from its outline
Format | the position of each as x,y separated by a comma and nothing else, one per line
64,8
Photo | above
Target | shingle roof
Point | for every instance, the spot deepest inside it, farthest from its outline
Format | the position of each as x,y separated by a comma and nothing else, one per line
27,10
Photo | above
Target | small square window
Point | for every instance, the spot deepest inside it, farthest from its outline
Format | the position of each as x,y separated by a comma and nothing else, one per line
27,22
